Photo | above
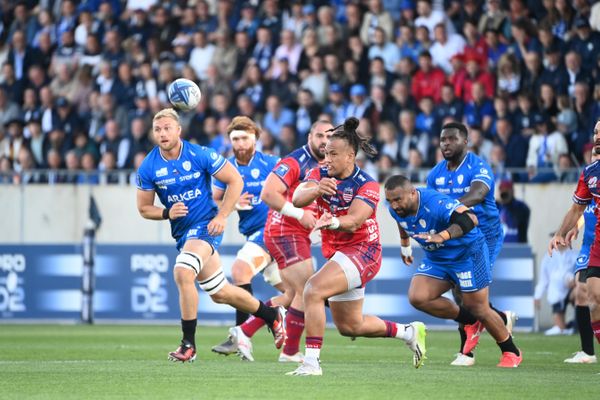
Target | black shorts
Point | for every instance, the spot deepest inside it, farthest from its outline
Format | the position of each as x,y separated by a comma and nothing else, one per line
592,272
561,306
582,275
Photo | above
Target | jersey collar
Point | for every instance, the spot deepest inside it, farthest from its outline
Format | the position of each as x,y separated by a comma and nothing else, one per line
459,165
178,156
249,162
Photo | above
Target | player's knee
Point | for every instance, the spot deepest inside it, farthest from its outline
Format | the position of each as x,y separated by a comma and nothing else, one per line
271,274
594,298
221,297
347,329
183,277
417,300
187,260
311,293
214,285
241,273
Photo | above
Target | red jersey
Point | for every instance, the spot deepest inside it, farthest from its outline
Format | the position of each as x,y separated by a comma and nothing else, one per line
360,186
291,170
588,189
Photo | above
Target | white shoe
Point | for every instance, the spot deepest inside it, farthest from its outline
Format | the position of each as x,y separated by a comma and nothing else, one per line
295,358
242,342
417,343
581,357
306,369
555,330
568,331
511,319
463,361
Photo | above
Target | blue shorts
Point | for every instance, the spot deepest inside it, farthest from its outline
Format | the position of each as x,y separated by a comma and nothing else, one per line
582,259
494,237
200,232
258,238
470,273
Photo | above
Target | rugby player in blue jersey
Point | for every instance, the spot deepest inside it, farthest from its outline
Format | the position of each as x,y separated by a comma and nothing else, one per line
456,254
464,176
180,174
253,257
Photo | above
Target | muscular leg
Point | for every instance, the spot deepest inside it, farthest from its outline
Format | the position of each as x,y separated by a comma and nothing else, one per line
582,314
593,286
350,321
425,294
478,303
185,279
294,278
241,275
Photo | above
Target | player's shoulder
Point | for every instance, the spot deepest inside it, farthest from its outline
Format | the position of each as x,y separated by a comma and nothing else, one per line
592,168
150,159
266,159
362,178
301,155
438,169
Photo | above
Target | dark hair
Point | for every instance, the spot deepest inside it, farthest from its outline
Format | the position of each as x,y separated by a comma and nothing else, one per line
460,127
396,181
354,139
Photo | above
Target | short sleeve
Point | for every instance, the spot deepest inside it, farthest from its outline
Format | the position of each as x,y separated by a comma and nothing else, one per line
582,194
144,179
218,184
430,179
288,171
483,173
211,161
446,207
369,193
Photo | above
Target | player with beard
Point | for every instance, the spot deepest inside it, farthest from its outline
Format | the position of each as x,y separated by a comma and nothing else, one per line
588,191
180,173
466,177
253,257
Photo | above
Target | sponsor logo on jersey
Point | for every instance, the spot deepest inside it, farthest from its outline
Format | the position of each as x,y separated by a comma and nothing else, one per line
460,179
440,181
423,268
255,173
162,172
196,175
282,170
187,165
404,225
592,182
185,196
347,195
483,171
213,155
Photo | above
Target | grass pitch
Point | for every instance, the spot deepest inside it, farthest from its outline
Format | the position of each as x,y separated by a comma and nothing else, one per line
97,362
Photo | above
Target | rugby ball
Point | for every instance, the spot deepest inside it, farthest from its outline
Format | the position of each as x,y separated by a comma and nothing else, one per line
184,94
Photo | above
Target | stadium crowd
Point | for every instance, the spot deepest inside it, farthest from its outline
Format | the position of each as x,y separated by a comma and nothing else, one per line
81,80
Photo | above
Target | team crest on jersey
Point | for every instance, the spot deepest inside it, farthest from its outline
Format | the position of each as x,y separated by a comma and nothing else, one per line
404,225
161,172
592,182
422,223
460,179
347,195
255,173
282,170
186,165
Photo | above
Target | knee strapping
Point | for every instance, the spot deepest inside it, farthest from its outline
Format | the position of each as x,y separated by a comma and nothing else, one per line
271,274
214,283
189,260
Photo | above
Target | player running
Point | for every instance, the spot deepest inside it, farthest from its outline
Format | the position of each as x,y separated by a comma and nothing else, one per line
587,192
180,173
347,202
464,176
456,254
253,257
582,310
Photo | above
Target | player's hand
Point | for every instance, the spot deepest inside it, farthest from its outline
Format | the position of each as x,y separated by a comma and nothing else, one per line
216,226
571,235
308,220
324,221
556,242
327,186
178,210
429,238
408,260
245,202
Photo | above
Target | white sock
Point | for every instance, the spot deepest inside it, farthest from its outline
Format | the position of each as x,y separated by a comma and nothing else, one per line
405,332
311,356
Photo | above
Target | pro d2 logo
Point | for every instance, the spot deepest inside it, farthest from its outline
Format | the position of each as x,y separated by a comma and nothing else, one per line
12,294
149,290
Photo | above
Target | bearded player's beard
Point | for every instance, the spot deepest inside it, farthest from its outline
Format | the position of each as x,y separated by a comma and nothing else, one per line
243,156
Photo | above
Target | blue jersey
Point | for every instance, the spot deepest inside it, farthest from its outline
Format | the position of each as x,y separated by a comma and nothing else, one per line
433,216
589,220
186,179
457,183
254,175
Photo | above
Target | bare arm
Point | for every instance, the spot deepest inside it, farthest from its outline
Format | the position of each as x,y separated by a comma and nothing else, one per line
273,193
405,247
217,195
475,195
306,193
460,226
146,207
569,221
358,213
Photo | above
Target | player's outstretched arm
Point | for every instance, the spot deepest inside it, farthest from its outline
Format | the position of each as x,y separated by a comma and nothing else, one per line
569,221
146,207
358,213
405,246
305,194
462,221
475,195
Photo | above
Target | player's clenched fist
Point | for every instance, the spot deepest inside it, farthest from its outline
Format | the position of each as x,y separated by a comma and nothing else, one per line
328,186
178,210
308,219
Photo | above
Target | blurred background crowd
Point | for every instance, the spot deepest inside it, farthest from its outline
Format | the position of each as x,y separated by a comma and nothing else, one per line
80,80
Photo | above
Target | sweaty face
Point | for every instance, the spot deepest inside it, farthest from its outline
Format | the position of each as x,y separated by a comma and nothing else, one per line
452,143
401,200
338,157
243,144
317,139
166,133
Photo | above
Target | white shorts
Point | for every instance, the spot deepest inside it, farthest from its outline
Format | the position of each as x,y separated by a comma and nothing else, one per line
355,291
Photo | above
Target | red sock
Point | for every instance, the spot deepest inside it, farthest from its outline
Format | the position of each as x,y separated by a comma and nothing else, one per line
391,329
253,324
596,329
294,325
314,342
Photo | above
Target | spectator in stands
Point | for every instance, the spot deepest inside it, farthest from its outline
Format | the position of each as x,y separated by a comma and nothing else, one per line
428,80
583,105
445,47
54,164
277,116
387,143
585,42
9,110
525,115
479,144
476,75
36,137
480,110
316,80
407,43
26,168
384,49
13,140
374,18
22,56
6,170
425,121
378,74
429,18
575,72
545,148
515,146
523,35
547,102
449,106
495,48
248,22
410,138
336,106
327,29
307,112
566,171
514,214
14,88
532,73
360,103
